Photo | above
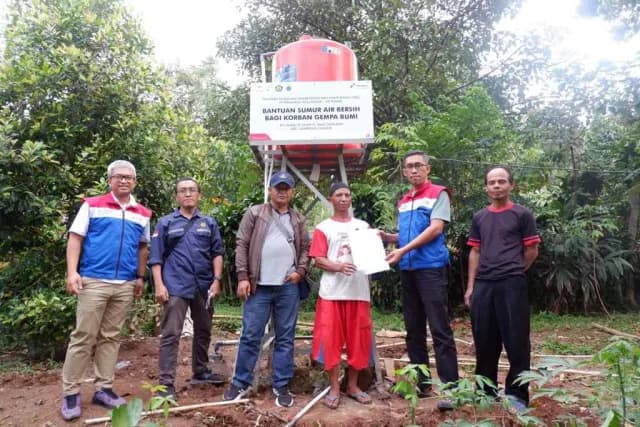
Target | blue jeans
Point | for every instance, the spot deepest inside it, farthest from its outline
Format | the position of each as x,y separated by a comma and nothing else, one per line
283,302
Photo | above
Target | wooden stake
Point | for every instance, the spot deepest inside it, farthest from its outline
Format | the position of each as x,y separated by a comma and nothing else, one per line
92,421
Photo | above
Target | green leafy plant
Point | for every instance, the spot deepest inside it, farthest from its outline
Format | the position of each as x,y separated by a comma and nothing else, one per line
408,384
157,401
131,414
617,397
470,391
568,420
228,325
228,215
622,360
128,415
548,369
42,320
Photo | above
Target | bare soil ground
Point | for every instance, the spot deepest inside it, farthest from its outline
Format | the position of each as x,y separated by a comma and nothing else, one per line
34,399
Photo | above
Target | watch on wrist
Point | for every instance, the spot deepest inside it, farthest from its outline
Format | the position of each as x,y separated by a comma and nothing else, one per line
140,276
218,278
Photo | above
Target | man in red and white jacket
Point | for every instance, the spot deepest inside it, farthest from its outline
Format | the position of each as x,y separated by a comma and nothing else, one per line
422,255
106,261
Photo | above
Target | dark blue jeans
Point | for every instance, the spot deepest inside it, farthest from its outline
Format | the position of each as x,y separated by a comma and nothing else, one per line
424,298
283,302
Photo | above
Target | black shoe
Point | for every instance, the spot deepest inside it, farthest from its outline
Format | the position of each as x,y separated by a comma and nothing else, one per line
445,405
208,378
516,405
234,393
169,392
108,398
284,398
424,391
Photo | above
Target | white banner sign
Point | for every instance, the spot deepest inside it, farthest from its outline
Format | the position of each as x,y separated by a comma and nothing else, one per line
311,113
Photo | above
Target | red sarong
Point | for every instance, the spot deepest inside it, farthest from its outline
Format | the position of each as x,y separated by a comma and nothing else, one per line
338,323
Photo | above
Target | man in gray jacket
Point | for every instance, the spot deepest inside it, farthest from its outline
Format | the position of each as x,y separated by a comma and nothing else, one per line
272,248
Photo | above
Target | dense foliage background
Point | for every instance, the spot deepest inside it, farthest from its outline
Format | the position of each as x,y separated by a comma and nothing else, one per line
78,89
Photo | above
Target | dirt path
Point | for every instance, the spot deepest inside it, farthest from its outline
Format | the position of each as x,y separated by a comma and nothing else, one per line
34,399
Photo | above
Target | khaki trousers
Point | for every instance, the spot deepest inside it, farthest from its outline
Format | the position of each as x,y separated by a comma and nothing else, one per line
102,310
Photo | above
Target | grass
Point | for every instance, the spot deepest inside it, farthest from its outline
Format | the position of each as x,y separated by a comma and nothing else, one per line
22,365
545,321
540,322
385,320
554,346
571,334
381,320
567,334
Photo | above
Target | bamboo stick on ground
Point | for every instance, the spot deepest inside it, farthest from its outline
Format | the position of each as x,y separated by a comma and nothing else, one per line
461,341
615,331
394,344
564,356
175,409
236,317
504,365
227,316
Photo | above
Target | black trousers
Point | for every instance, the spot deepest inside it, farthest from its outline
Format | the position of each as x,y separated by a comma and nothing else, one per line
174,313
500,315
424,298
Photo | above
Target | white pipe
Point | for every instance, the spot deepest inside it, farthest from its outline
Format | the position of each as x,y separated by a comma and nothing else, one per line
306,409
173,410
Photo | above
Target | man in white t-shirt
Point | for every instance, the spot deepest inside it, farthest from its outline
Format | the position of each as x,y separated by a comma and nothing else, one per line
343,313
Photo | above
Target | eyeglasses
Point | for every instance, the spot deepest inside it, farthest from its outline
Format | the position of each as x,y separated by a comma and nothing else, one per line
127,178
188,190
416,166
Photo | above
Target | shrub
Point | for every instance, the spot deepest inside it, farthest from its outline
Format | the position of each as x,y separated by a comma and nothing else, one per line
41,320
145,317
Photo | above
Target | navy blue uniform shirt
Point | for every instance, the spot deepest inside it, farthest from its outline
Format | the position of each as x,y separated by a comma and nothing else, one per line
189,267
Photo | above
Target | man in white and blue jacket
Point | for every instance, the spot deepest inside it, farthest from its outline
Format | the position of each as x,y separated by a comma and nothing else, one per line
423,213
106,262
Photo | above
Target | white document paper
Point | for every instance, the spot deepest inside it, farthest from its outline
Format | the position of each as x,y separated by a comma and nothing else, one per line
367,251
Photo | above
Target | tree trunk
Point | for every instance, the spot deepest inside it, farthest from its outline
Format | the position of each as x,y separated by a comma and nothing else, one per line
634,216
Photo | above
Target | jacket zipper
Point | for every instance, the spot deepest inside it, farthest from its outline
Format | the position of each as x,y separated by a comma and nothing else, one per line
410,227
121,243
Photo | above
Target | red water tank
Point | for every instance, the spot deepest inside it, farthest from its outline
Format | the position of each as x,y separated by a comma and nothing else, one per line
314,60
308,60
